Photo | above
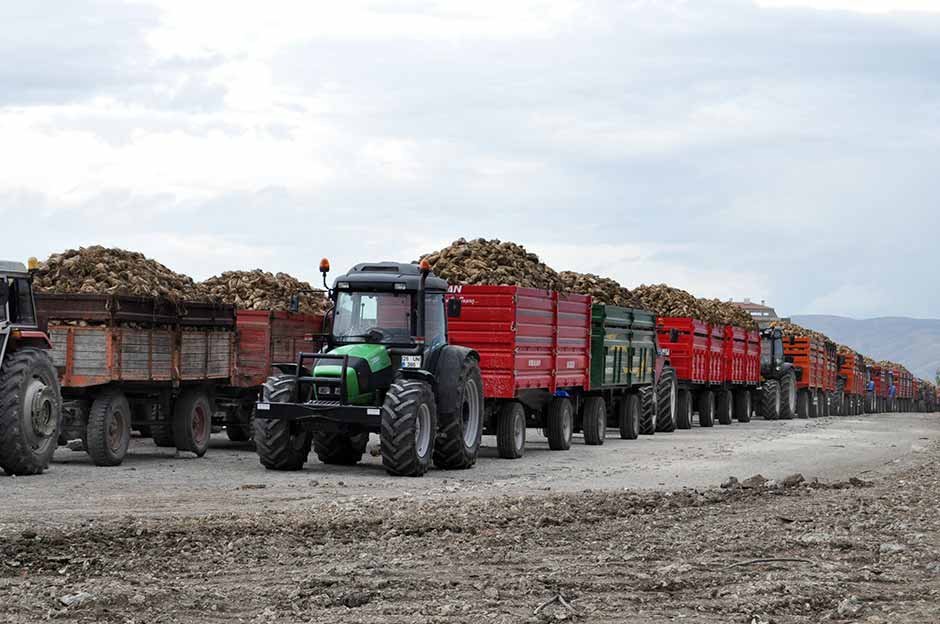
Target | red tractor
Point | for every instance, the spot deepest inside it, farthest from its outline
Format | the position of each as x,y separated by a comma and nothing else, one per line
30,397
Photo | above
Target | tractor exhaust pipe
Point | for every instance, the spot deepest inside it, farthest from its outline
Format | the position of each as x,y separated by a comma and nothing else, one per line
425,270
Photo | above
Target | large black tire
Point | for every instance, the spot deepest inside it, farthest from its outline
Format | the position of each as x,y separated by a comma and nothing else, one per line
30,412
667,400
560,424
706,408
594,421
822,403
742,406
649,417
279,446
788,396
109,428
804,404
459,433
684,410
409,428
242,429
725,407
628,417
510,430
769,406
192,421
340,449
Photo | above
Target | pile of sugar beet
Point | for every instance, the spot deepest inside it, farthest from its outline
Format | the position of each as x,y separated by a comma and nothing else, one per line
503,263
102,270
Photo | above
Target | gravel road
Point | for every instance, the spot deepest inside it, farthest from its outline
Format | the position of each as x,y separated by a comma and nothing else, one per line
628,532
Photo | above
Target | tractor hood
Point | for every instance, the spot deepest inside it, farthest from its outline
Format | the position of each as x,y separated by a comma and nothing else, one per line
370,368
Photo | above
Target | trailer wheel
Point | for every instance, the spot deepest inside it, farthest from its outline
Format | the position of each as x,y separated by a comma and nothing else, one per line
409,428
459,434
684,410
595,421
510,430
742,406
30,412
706,408
725,401
769,406
787,396
804,404
628,417
109,428
340,449
279,447
667,400
192,422
822,404
648,415
560,424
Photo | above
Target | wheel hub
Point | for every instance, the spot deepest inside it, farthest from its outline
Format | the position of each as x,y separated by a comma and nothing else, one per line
471,413
423,430
41,407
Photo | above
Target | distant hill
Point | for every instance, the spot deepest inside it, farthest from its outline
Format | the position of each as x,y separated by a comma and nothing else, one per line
915,343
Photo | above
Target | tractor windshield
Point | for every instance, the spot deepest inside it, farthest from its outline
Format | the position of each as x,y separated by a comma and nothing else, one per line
379,317
3,304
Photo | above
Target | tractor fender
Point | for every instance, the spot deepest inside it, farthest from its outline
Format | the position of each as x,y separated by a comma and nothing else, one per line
447,372
29,338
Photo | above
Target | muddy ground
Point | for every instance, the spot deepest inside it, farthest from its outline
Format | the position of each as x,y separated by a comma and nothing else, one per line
861,545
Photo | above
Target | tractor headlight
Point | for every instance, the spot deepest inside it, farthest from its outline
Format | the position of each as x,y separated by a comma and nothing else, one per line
411,361
400,286
342,285
325,390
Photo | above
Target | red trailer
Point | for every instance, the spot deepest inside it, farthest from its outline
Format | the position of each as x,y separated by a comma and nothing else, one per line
718,366
809,355
853,376
535,359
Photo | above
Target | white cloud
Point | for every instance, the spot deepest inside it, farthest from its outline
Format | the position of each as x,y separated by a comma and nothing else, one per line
861,6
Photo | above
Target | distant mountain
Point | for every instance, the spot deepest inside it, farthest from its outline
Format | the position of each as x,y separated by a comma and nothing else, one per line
915,343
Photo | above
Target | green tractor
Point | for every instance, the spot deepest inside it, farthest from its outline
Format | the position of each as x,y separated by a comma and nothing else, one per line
387,369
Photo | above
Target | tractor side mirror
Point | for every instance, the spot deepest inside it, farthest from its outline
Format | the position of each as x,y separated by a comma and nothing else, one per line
4,291
454,306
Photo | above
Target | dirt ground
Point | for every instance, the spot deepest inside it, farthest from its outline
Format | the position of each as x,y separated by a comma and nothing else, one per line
599,534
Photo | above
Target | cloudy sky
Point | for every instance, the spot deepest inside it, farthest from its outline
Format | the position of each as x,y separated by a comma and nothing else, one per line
786,150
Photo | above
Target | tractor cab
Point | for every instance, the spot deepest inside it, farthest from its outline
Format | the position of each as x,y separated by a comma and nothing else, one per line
17,307
771,353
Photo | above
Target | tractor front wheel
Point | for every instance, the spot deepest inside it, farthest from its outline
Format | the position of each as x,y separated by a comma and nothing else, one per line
341,449
459,433
280,448
109,428
192,422
409,428
30,412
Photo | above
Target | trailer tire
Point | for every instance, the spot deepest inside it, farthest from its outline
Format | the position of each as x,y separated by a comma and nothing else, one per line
109,428
822,404
769,406
510,430
725,407
628,417
30,412
594,421
742,406
409,428
667,400
459,434
339,449
706,408
560,424
241,431
278,446
192,421
649,417
804,404
787,396
684,410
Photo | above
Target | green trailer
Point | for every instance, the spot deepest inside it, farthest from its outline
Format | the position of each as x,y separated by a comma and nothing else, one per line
630,375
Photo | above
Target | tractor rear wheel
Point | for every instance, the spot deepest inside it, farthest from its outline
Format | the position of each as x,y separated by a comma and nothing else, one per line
109,428
706,408
667,400
725,407
769,406
459,433
684,410
30,412
628,417
787,396
649,417
510,430
192,421
279,447
340,449
742,406
594,421
560,424
409,428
